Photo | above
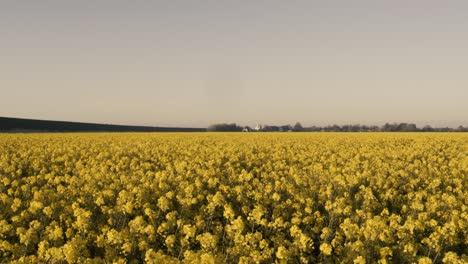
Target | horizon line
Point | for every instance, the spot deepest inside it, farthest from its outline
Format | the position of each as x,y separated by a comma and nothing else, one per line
418,124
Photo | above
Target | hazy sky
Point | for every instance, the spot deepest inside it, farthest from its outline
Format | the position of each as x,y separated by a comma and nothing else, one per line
194,63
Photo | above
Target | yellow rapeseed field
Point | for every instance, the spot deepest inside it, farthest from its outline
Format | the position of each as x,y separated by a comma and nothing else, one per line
234,198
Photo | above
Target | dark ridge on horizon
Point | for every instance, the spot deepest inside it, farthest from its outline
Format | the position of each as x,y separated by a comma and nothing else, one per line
10,124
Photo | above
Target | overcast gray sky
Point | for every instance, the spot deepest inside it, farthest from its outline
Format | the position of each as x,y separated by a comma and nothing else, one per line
194,63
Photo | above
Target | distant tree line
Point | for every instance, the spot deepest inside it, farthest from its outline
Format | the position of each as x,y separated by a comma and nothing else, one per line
388,127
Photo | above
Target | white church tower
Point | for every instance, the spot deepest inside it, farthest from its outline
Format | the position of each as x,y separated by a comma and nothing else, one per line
258,127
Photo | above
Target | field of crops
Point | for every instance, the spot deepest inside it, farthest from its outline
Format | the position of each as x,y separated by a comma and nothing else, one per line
234,198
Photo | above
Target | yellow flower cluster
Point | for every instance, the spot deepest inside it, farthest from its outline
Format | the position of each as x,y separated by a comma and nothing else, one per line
234,198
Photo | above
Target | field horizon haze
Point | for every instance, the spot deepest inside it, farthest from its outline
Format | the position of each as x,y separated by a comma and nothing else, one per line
193,65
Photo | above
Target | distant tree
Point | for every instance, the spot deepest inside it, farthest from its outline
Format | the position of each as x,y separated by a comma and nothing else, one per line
335,128
298,127
286,128
389,127
405,127
356,128
427,128
233,127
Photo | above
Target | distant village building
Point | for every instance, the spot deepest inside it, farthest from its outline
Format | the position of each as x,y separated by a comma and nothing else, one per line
258,127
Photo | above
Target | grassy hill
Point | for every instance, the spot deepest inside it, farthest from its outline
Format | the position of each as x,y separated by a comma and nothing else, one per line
8,124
